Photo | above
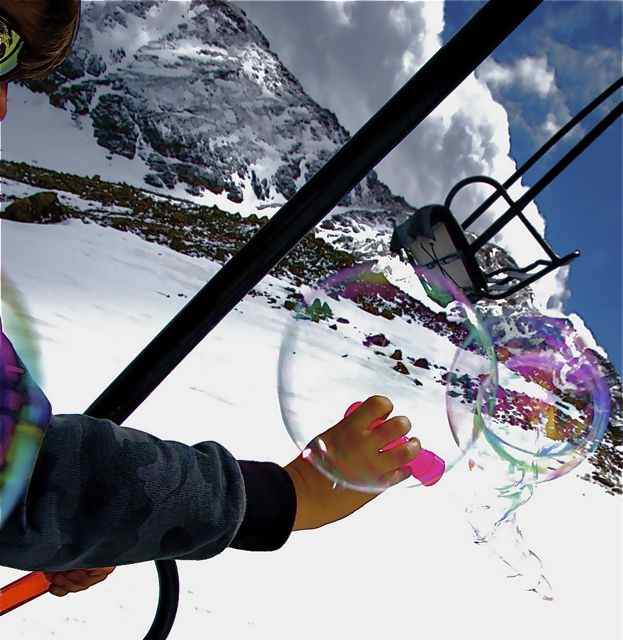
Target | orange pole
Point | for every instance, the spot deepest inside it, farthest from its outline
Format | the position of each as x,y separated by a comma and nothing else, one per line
21,591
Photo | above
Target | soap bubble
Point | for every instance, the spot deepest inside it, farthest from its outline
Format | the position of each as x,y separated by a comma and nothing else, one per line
542,410
531,418
335,351
550,411
552,402
24,410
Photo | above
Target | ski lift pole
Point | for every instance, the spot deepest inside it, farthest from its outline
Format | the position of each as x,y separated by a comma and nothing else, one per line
437,79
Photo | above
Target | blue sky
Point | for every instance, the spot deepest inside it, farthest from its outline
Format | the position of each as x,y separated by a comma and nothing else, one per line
581,42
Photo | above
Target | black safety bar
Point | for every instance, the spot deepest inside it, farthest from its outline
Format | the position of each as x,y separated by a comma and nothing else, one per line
544,149
551,266
436,80
554,172
480,287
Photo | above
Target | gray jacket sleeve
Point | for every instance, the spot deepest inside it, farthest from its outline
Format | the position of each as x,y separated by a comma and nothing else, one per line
105,495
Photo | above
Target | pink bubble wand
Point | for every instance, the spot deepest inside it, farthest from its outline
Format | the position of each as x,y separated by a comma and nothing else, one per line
426,467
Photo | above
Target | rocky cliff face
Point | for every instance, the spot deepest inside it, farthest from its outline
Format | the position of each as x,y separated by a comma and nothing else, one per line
193,90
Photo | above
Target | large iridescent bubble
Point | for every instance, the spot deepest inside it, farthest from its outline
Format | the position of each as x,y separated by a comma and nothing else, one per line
356,334
552,404
24,410
535,418
546,405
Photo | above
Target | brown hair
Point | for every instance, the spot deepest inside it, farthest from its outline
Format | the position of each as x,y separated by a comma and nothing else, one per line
48,28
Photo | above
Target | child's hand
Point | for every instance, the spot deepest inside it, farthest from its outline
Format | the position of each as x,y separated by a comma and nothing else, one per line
64,582
318,503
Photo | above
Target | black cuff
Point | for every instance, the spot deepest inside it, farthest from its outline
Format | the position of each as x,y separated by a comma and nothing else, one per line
271,507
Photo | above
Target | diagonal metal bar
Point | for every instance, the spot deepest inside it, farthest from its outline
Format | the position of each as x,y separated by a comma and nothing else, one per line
553,173
384,131
544,149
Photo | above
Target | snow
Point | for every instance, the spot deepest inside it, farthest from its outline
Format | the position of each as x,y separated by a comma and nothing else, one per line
403,565
68,147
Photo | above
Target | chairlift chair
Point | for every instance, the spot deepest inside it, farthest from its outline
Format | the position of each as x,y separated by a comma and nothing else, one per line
433,239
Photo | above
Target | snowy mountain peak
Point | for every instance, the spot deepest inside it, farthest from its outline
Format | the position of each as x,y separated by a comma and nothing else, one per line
191,93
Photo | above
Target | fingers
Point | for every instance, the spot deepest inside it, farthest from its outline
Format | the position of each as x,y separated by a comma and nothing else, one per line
61,585
389,431
390,463
374,408
401,455
395,458
394,463
64,582
104,571
395,476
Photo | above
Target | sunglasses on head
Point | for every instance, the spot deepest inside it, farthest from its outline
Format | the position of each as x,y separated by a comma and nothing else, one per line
12,47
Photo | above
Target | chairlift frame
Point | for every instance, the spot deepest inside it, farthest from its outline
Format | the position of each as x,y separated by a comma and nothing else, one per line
518,278
437,79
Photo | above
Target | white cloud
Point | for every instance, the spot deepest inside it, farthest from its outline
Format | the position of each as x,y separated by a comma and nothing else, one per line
551,124
532,74
557,300
342,10
410,63
398,17
586,70
495,74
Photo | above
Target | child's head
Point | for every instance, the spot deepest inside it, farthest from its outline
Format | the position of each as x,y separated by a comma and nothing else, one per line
47,29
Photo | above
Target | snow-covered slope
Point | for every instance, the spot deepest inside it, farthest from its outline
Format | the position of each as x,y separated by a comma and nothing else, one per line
98,295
